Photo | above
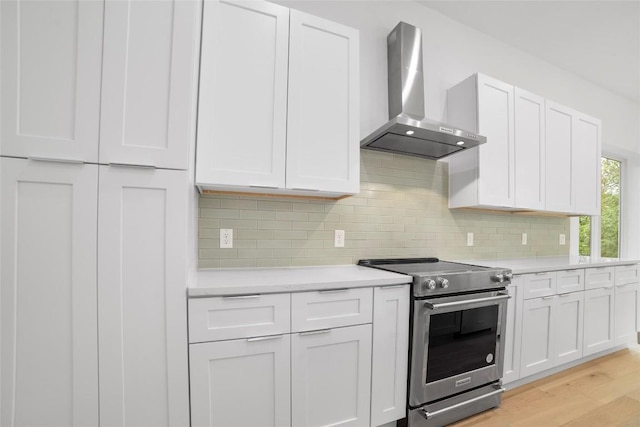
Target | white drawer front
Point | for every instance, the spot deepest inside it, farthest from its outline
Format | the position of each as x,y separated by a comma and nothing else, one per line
539,285
569,281
627,274
331,308
224,318
600,277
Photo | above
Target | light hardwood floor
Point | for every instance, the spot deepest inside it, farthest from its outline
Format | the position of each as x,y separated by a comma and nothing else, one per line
604,392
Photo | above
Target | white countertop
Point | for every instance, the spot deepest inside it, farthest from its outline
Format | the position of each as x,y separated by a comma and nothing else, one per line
238,281
540,264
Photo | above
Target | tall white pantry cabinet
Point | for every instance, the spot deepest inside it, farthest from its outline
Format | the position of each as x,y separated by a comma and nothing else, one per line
97,122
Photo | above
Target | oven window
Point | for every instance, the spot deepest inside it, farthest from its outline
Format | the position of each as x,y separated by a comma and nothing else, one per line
461,341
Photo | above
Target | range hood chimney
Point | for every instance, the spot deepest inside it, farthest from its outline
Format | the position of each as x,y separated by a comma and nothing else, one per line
407,131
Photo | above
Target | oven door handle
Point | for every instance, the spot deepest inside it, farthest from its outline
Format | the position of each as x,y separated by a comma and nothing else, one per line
436,306
428,415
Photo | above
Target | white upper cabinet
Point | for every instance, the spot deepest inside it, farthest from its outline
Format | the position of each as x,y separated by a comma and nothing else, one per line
48,311
586,165
539,155
322,141
242,115
150,61
50,56
558,160
278,102
529,150
141,297
483,176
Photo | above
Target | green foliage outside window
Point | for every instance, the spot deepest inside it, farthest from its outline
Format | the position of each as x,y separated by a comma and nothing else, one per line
610,219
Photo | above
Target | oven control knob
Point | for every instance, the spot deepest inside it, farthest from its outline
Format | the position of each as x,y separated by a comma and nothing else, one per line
429,284
508,276
498,278
443,283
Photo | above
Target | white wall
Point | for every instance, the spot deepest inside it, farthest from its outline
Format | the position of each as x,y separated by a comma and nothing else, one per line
453,51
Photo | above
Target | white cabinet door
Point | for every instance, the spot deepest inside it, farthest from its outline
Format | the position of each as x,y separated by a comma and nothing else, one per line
558,161
585,165
513,335
48,322
241,383
148,82
538,345
331,377
598,320
496,157
323,127
626,313
389,354
50,56
568,327
529,150
141,295
242,115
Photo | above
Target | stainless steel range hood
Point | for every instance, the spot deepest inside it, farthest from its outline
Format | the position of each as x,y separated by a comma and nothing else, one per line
408,132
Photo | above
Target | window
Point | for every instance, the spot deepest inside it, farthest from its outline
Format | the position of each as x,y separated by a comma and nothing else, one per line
609,220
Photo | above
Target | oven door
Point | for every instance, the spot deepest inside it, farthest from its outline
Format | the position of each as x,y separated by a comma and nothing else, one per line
457,344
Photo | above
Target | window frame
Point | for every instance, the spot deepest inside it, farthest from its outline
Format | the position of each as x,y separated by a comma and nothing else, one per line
596,229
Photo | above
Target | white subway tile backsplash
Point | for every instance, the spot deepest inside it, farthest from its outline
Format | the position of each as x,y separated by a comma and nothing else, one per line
401,211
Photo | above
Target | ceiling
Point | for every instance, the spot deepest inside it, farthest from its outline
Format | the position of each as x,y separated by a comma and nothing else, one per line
597,40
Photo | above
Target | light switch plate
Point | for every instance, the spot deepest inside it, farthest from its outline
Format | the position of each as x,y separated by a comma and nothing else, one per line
524,238
469,239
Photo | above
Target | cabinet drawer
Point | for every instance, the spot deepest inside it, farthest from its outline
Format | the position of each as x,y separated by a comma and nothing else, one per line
601,277
331,308
224,318
626,274
539,285
569,281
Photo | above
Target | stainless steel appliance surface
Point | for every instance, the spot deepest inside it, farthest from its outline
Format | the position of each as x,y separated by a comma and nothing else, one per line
408,131
456,351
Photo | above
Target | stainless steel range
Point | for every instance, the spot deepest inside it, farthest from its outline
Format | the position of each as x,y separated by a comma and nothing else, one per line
456,355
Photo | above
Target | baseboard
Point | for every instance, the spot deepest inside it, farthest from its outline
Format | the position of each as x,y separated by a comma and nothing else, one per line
555,370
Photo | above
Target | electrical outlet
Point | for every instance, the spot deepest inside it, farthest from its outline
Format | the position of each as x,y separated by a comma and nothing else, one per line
469,239
562,239
226,238
338,240
524,238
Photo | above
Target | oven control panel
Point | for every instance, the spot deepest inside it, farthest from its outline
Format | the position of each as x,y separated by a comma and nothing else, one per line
461,282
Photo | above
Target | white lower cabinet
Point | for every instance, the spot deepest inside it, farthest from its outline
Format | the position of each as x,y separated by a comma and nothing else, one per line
627,299
353,374
93,296
598,320
142,219
244,382
48,311
389,355
568,327
591,310
552,328
512,352
537,331
331,377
